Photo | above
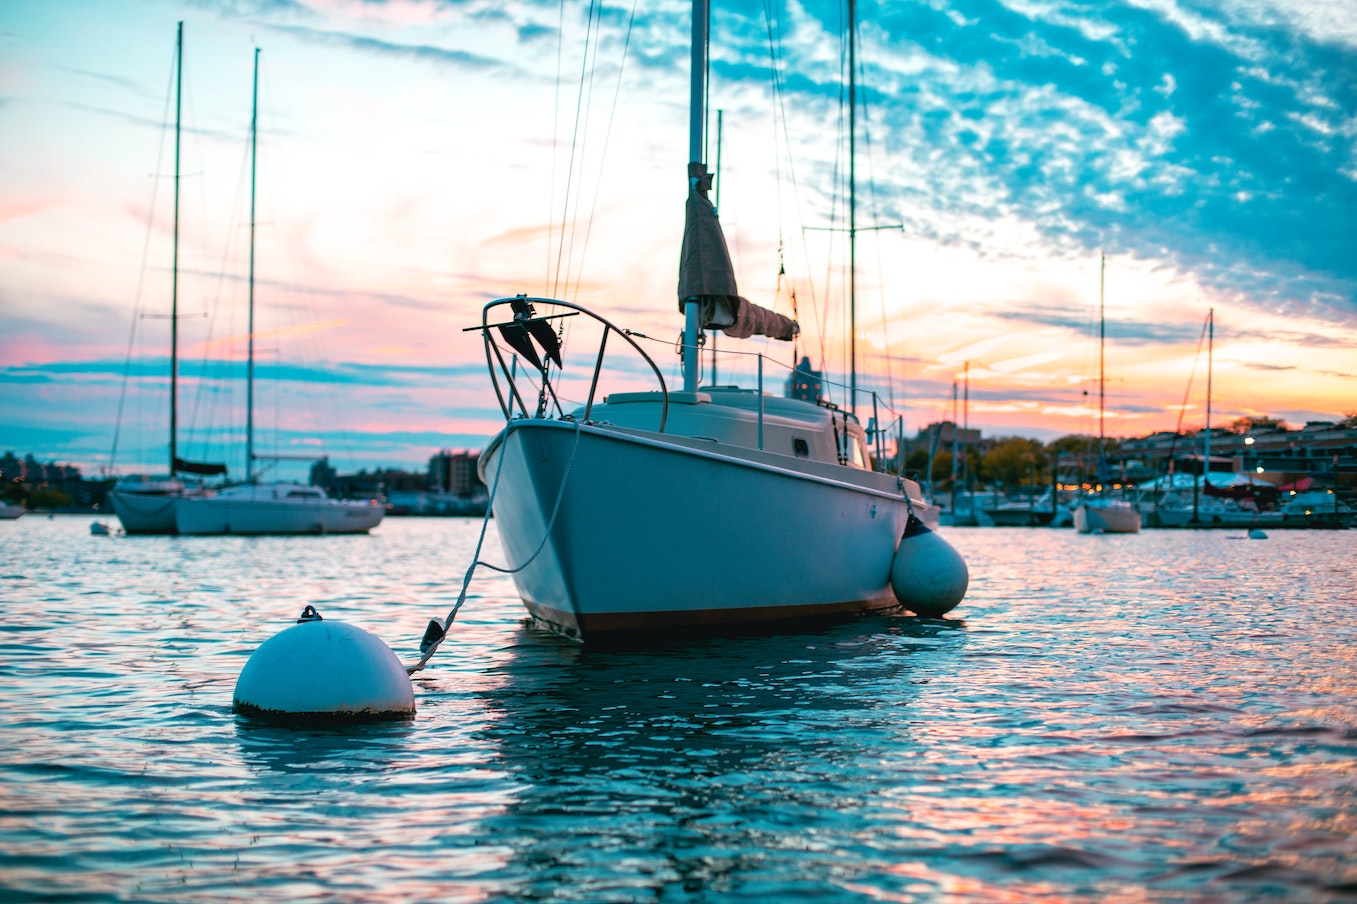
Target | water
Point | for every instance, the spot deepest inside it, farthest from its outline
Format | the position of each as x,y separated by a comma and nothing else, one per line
1170,716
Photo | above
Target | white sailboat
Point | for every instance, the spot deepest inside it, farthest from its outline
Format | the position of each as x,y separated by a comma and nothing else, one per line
277,508
645,511
1100,512
145,504
270,508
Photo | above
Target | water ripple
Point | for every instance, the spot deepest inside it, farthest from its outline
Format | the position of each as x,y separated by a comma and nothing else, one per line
1167,716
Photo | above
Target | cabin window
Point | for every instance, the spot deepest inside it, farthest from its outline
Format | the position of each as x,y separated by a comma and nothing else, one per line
801,447
858,455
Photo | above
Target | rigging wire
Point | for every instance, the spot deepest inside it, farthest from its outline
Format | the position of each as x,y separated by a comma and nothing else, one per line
876,220
207,417
138,299
607,138
776,57
790,370
575,142
837,193
567,261
211,343
584,108
547,285
1182,409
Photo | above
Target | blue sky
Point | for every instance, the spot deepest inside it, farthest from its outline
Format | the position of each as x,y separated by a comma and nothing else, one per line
419,158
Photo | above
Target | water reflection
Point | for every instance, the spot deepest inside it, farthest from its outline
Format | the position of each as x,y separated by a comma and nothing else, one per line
696,763
1176,721
323,750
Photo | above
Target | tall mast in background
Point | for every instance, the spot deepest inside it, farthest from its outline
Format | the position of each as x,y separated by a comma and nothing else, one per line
249,366
174,271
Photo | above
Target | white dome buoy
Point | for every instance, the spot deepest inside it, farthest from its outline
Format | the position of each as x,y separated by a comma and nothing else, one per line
321,670
928,576
1257,534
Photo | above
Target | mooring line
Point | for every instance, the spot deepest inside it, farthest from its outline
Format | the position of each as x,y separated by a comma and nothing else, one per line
436,631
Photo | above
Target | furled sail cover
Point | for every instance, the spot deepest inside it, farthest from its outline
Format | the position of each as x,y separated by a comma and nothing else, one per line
197,467
706,274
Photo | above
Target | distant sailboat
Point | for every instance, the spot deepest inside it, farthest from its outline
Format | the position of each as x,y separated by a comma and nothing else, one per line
273,508
650,511
1100,512
146,504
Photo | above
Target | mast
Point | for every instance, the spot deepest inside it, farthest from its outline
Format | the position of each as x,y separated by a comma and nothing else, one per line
174,271
1102,332
692,361
1210,361
1210,358
966,427
716,179
956,441
249,366
852,209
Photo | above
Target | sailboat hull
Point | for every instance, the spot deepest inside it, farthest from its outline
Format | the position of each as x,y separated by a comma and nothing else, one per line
276,509
1106,518
657,531
147,505
144,514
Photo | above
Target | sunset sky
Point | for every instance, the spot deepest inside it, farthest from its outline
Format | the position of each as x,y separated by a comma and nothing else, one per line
417,159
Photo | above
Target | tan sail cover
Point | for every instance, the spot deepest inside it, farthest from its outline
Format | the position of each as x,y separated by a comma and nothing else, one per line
706,274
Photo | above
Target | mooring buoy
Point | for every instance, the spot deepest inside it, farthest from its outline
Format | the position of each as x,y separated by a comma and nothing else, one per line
319,670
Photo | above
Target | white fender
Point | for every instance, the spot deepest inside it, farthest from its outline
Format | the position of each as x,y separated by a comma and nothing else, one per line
328,670
928,576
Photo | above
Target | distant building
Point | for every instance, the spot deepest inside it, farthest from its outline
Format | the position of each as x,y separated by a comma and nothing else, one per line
324,475
52,486
455,472
941,435
805,383
11,468
1320,449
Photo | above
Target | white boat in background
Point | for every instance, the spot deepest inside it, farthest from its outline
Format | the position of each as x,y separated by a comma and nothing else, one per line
277,508
1100,512
1035,512
146,504
1318,506
8,511
1216,499
1096,515
270,508
654,510
1174,501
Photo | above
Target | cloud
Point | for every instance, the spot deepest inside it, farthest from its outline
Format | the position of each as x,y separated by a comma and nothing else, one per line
157,368
427,53
128,85
1206,138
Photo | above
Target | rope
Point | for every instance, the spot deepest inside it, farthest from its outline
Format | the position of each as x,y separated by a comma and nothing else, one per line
431,644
